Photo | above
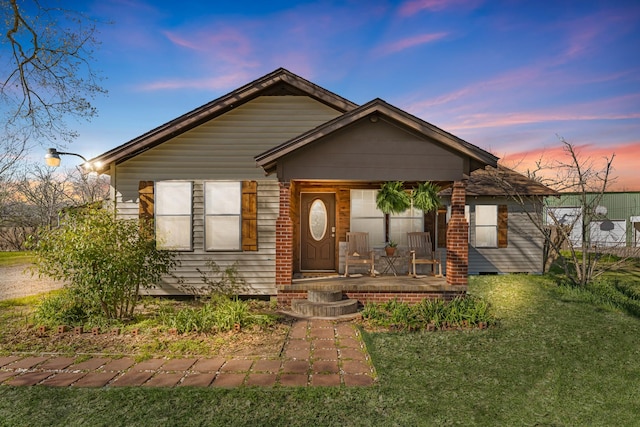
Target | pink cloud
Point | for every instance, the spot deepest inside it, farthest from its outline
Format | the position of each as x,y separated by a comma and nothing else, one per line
410,42
624,174
217,83
416,6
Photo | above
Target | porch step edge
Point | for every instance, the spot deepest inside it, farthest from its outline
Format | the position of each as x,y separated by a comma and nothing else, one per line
324,296
324,309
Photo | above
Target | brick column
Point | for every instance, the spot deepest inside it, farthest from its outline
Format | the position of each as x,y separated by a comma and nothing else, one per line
284,238
457,238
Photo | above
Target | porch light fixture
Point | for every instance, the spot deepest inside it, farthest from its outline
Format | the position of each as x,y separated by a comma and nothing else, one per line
52,158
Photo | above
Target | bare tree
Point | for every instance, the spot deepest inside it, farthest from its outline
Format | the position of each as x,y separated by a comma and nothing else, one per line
567,231
86,187
45,75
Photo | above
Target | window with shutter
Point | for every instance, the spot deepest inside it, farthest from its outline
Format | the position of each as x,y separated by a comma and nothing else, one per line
249,216
503,226
173,215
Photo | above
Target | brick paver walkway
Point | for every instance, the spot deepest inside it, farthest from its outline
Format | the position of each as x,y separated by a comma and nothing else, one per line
316,353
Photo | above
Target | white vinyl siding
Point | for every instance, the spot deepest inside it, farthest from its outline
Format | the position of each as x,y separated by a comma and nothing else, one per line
173,215
224,149
223,222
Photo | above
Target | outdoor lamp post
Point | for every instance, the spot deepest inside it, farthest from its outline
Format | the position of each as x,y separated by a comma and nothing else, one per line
52,158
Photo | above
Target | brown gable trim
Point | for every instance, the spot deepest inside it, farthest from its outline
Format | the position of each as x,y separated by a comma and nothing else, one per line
375,110
279,82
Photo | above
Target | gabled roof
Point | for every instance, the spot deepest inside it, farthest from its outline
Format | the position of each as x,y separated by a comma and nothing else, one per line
375,109
279,82
502,181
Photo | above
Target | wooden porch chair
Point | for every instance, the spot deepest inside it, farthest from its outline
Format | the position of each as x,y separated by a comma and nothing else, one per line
358,251
421,252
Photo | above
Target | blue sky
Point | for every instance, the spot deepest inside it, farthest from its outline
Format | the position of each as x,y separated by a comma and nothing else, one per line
509,76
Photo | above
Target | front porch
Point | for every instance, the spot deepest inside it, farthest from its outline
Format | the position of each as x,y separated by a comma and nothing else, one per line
366,289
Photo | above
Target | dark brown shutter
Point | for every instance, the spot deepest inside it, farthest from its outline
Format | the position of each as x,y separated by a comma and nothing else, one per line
503,226
145,195
249,216
442,227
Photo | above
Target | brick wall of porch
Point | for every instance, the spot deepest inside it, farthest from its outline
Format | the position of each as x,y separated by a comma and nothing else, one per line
457,253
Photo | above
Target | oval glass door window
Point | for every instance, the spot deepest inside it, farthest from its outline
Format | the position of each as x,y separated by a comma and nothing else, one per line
318,219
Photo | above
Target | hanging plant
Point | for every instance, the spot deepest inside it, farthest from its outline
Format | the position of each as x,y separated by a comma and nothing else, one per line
392,198
425,197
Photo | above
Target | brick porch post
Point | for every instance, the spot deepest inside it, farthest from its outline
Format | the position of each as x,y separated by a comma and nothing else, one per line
284,238
457,238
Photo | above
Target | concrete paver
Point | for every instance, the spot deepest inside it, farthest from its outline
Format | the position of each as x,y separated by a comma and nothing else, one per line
91,364
7,360
30,378
316,353
119,364
132,378
149,365
95,379
261,380
229,380
57,363
235,365
329,380
266,366
27,362
208,365
63,379
165,379
178,364
198,380
293,380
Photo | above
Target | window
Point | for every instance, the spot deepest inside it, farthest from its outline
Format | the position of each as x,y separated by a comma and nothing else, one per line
400,224
223,216
486,226
173,215
365,216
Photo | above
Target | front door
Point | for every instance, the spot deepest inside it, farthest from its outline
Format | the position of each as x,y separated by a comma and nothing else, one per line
318,231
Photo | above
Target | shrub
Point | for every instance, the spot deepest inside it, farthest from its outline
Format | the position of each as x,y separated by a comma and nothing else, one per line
104,260
459,312
218,314
61,308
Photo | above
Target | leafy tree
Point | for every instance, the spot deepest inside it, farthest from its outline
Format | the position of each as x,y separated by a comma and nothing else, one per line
103,259
45,74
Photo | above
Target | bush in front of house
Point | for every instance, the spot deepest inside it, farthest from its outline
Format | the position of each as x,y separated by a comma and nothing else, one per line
467,312
218,313
103,260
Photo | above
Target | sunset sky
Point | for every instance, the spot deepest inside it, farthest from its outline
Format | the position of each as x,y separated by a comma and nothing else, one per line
509,76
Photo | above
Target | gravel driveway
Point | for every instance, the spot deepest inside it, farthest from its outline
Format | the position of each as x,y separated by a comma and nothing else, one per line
15,282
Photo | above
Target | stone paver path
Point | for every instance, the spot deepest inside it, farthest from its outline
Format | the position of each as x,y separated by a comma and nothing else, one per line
316,353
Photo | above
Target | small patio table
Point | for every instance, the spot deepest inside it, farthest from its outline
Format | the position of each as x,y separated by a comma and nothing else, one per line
390,264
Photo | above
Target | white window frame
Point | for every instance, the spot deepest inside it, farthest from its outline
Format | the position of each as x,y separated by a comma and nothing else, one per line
223,215
173,213
414,217
486,226
373,219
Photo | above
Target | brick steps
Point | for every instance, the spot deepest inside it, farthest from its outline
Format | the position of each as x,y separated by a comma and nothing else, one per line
324,304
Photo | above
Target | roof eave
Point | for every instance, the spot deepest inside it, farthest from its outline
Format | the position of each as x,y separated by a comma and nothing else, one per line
217,107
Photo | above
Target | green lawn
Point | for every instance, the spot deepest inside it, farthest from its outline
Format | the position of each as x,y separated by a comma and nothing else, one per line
553,359
14,258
